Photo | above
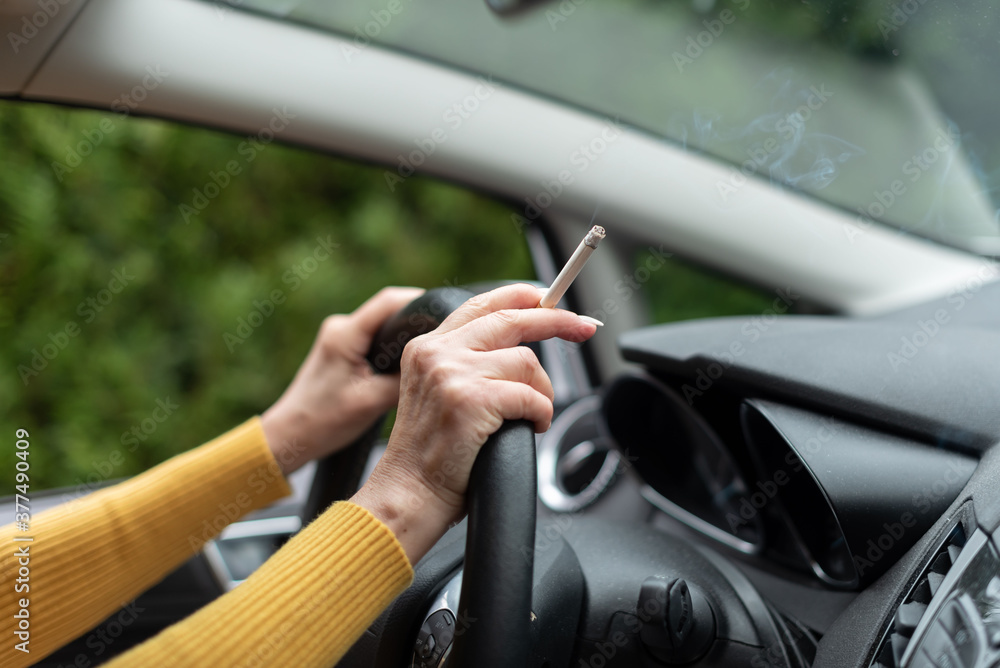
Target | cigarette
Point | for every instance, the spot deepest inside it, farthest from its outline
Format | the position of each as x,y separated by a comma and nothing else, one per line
573,267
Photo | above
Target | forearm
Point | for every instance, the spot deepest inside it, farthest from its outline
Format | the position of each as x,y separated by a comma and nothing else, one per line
304,607
92,555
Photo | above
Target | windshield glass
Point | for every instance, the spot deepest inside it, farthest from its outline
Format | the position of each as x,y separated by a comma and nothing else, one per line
885,109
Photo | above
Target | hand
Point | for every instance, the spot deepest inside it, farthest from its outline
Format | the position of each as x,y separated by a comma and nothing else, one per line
459,383
335,397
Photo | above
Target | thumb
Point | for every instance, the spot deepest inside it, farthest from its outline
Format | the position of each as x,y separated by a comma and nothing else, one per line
369,316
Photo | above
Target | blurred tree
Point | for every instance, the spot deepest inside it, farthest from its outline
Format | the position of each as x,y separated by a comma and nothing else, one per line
142,304
160,284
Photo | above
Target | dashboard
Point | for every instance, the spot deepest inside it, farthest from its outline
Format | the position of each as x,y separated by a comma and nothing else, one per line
859,494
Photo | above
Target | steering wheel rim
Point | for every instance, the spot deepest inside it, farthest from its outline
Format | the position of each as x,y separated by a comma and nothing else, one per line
499,552
494,625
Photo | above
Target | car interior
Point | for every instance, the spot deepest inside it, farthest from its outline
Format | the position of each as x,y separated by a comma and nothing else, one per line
812,483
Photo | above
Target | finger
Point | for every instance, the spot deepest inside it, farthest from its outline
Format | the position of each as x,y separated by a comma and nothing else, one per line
369,316
519,295
384,390
517,401
519,365
507,328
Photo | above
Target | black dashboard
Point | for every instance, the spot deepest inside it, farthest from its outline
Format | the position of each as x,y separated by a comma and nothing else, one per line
845,466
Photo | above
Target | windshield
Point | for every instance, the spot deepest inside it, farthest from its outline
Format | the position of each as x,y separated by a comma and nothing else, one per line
885,109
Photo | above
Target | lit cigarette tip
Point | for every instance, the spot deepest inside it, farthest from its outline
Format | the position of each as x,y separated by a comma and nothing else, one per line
595,236
573,267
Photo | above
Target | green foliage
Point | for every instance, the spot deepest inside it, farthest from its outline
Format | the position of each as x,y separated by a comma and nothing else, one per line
680,291
141,303
189,283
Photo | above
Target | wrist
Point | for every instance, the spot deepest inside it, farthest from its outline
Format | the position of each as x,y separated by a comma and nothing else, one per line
286,449
412,516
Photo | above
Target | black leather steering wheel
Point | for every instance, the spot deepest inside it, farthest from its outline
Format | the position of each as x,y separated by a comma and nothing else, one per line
495,601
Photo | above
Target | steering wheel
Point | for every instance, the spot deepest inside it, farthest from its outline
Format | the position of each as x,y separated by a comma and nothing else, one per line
499,556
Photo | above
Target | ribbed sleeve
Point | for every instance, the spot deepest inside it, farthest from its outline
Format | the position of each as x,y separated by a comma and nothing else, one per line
91,556
304,607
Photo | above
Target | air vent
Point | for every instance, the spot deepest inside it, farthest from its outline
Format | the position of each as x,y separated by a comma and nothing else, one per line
913,608
576,463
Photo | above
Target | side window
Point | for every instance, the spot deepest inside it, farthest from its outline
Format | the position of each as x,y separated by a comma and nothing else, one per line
677,290
161,283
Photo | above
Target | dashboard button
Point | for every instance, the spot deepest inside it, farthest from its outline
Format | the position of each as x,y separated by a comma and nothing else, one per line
434,639
428,647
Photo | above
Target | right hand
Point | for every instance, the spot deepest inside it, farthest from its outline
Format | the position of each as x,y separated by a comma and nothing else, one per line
459,383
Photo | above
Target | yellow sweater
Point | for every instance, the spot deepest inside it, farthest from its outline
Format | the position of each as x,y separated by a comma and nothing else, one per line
304,607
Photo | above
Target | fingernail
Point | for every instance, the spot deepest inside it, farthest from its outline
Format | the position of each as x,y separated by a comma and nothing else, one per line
591,321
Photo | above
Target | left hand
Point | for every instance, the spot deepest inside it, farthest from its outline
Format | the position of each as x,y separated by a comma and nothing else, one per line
334,396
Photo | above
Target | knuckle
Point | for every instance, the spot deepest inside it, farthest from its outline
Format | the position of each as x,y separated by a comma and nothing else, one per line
542,407
452,391
548,408
506,316
333,324
331,332
419,353
438,374
412,360
527,358
478,300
